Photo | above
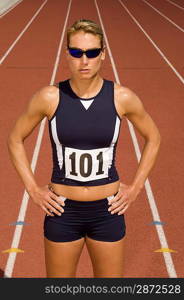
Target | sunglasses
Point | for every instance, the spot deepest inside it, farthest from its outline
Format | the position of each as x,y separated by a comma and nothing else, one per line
91,53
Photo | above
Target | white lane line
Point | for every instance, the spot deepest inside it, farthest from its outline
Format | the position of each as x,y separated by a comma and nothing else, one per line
18,230
180,7
161,235
154,44
177,26
20,35
9,9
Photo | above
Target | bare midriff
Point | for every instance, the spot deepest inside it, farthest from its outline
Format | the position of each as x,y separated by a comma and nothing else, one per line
85,193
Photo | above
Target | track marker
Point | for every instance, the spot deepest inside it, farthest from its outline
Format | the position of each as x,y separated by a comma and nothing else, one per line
19,223
157,223
165,250
160,232
22,212
13,250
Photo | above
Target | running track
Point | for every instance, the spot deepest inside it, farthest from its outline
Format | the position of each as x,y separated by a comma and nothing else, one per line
144,52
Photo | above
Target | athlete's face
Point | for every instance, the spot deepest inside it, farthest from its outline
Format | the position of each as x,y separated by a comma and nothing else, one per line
84,67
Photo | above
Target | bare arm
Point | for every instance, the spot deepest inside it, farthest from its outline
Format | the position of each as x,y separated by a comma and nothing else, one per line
142,121
133,109
39,107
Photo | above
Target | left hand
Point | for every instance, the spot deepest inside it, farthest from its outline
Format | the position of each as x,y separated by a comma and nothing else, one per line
125,196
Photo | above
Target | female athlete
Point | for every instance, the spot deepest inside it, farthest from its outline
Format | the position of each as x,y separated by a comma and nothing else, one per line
85,201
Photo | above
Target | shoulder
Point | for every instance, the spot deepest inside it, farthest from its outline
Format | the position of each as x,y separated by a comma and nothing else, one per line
44,99
126,99
48,93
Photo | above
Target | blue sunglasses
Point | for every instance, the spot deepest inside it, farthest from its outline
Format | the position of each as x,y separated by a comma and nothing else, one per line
91,53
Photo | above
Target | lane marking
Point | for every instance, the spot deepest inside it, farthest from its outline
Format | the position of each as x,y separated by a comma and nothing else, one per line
161,235
166,250
18,230
9,9
157,223
19,223
21,34
154,44
13,250
177,26
180,7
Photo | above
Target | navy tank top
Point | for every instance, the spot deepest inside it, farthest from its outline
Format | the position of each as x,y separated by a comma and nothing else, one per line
84,135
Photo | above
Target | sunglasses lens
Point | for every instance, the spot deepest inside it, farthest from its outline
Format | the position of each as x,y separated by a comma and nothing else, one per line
89,53
93,53
75,52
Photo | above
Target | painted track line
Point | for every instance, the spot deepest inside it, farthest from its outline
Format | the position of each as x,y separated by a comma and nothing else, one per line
18,230
180,7
154,44
22,32
177,26
9,9
161,235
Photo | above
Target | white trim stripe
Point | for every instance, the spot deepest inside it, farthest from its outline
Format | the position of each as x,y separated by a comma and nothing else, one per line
57,142
116,131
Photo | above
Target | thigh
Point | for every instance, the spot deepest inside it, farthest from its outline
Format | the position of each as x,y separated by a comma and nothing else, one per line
61,258
107,257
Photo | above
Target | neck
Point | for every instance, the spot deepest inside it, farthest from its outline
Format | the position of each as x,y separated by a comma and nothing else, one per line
86,88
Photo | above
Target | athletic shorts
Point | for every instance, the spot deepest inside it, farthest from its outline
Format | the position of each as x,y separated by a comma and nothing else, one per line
85,218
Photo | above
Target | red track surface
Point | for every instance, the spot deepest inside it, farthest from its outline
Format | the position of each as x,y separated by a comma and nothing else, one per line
140,67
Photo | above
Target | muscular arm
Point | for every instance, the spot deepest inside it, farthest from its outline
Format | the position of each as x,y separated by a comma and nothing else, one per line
38,108
132,107
129,105
142,121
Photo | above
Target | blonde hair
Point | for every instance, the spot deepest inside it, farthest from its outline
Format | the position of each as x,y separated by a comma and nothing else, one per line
87,26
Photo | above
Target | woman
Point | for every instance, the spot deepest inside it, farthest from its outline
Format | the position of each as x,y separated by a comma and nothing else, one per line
85,201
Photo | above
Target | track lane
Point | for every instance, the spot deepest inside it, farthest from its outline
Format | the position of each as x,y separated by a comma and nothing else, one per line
21,76
178,2
176,15
14,22
4,11
152,22
134,65
130,76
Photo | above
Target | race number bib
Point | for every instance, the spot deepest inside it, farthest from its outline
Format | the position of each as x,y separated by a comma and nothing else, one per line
86,165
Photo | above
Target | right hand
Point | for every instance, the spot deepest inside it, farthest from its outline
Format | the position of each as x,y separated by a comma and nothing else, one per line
47,200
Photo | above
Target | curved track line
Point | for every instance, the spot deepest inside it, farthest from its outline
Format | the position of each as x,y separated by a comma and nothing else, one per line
161,235
177,26
180,7
153,43
20,35
18,230
9,9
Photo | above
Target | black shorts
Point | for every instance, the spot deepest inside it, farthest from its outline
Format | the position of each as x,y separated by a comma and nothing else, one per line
85,218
